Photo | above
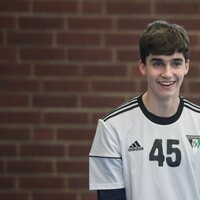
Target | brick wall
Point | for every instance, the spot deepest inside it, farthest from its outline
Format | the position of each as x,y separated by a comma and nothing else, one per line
62,65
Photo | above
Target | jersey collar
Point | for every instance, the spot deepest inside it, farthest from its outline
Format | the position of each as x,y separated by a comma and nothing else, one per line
161,120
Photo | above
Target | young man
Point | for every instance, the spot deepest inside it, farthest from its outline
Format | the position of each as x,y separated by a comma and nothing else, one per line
149,147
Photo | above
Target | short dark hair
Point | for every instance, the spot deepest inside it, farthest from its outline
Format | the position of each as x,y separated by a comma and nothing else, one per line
163,38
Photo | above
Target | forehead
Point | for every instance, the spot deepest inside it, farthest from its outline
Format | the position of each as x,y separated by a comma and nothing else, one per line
166,58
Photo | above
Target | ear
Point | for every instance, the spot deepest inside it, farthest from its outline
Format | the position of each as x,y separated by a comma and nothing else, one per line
142,68
187,66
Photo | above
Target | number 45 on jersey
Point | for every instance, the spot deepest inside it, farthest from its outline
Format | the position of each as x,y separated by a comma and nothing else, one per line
157,154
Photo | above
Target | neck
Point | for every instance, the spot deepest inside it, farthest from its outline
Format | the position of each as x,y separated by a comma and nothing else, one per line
164,108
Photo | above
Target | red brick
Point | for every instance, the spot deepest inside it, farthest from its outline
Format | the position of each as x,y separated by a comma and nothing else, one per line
132,24
69,167
100,102
43,134
98,115
114,86
128,8
1,38
29,167
65,118
79,151
14,196
78,183
193,86
194,71
89,55
14,101
45,150
41,183
43,54
8,150
122,39
54,101
29,39
78,39
128,55
15,134
186,8
14,69
91,195
19,86
54,6
2,167
189,24
41,23
22,117
7,183
56,70
53,196
184,88
105,71
7,53
92,7
15,6
79,134
194,40
7,22
194,56
90,23
66,86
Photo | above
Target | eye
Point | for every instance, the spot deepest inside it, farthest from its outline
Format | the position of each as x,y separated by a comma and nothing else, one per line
177,64
157,64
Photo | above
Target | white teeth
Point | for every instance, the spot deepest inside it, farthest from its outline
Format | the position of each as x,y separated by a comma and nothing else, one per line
166,83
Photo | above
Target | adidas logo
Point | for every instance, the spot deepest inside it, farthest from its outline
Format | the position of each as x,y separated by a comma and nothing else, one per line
135,147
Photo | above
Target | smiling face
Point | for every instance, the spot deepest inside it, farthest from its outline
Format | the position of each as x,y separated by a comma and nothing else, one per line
165,74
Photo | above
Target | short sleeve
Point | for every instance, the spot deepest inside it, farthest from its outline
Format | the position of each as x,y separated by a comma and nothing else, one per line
105,162
106,142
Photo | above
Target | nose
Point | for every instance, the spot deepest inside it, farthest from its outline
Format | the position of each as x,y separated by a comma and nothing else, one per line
167,72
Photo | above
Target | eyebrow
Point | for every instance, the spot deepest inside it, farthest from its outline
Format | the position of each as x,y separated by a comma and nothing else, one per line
156,59
159,59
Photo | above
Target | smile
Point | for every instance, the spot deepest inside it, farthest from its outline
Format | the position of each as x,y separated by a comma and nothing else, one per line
166,83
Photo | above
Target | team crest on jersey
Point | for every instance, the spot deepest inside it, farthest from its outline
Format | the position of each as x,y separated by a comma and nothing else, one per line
194,141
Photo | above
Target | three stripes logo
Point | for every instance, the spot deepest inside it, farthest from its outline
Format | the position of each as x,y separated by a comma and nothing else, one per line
135,147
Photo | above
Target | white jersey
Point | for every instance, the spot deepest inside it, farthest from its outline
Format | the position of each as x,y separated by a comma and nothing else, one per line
153,158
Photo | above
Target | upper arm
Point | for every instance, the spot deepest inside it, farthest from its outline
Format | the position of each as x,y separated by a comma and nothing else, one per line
105,173
105,162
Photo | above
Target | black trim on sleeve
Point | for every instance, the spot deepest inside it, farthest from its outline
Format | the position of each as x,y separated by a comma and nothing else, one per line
91,156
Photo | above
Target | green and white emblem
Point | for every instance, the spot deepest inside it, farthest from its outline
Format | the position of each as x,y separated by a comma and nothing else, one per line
194,141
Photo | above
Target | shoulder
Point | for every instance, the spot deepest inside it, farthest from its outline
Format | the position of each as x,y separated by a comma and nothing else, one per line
191,106
122,109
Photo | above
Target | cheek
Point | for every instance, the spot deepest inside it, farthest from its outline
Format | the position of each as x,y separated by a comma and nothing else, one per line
153,75
180,77
151,80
